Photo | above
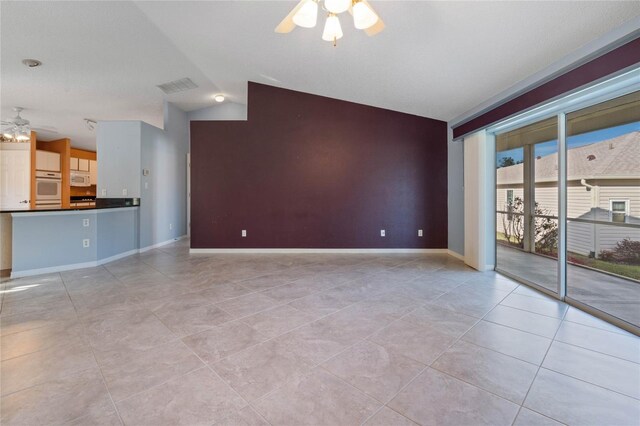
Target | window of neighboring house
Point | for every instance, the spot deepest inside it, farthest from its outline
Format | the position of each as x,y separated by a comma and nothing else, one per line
619,210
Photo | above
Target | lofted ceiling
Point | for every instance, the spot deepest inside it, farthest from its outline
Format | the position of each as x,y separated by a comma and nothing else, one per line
103,60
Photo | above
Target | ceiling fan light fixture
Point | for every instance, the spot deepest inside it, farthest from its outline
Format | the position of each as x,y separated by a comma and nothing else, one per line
363,16
23,134
332,29
307,16
337,6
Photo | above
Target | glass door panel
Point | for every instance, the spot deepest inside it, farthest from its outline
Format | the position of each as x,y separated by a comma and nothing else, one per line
603,207
527,203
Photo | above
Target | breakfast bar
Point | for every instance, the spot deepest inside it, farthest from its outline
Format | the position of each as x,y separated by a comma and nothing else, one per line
63,239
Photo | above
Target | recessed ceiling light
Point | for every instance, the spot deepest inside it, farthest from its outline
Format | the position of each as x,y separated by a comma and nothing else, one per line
31,63
218,98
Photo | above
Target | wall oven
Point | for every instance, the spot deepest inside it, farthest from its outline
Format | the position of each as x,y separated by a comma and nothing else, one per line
48,190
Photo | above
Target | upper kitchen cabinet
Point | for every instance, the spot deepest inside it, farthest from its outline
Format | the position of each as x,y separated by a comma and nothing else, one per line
93,172
49,161
83,164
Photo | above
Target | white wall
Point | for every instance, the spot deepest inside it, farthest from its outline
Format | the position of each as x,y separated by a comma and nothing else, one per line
126,148
163,208
479,201
455,190
118,144
225,111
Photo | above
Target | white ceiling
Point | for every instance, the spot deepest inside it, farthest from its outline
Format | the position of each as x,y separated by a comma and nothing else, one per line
102,60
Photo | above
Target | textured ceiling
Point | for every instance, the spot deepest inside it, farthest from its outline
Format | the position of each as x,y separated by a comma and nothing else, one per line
102,60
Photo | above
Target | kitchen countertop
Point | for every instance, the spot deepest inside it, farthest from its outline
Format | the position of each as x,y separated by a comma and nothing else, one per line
101,203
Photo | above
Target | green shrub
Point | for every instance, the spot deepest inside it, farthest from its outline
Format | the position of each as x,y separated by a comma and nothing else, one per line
626,251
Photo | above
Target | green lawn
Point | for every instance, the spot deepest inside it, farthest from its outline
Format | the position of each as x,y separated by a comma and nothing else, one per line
630,271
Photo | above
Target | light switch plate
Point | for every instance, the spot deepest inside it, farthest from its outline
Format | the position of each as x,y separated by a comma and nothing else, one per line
244,232
382,233
104,192
419,232
124,191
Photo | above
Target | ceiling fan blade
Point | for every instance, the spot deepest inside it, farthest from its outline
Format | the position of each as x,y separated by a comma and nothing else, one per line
287,25
6,123
375,28
378,26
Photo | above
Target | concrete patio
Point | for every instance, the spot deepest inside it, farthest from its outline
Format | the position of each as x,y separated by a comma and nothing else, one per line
616,296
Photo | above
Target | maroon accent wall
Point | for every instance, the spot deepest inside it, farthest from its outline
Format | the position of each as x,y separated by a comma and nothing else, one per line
307,171
618,59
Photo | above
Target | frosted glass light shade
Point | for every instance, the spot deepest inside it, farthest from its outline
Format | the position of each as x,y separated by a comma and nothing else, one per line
332,29
23,134
363,16
337,6
307,16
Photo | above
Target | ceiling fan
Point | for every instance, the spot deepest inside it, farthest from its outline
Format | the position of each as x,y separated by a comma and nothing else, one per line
19,128
305,15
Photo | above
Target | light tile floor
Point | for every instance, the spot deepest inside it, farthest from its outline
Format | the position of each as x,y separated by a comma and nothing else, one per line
168,338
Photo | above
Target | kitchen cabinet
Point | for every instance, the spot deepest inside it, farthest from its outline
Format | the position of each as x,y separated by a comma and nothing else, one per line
83,164
49,161
73,164
93,172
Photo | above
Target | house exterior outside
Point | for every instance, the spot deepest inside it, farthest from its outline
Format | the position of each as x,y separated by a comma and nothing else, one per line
603,192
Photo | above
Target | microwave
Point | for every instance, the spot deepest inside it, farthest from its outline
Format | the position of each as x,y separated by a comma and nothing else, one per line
80,179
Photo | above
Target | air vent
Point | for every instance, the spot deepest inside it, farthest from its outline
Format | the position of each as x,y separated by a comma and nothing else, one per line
177,86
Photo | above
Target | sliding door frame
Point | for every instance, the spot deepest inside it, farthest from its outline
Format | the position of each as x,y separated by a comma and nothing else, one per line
622,84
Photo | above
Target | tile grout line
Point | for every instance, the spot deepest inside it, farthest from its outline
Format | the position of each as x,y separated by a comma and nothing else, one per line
536,375
438,357
95,359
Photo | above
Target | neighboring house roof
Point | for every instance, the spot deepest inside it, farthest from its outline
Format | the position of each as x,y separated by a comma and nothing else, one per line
617,158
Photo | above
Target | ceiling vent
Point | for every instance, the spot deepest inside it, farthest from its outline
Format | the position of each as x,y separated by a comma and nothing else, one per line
177,86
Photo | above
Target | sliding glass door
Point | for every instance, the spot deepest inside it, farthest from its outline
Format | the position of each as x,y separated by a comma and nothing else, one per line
596,169
603,207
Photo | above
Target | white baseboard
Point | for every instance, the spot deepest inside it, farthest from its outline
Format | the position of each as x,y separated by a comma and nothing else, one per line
311,250
164,243
456,255
52,269
92,264
116,257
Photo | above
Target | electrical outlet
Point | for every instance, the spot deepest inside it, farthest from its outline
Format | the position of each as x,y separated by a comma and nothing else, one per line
170,226
85,222
244,232
382,233
85,243
124,191
419,232
104,192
